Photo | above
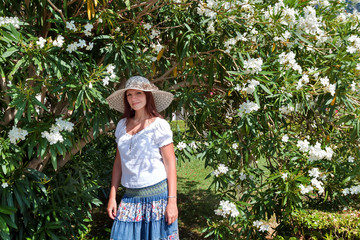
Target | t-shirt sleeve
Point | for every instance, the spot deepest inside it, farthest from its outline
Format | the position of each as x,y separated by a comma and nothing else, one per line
118,129
164,135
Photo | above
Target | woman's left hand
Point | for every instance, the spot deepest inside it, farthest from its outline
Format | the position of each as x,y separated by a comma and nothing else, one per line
171,213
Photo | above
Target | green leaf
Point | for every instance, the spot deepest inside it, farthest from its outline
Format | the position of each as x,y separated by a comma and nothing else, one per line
7,210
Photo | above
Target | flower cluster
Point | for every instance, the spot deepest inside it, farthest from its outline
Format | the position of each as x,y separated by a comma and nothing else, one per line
304,79
4,185
352,190
221,169
253,65
355,46
309,23
71,25
286,109
88,27
261,226
250,87
17,133
351,159
10,20
285,138
247,107
41,42
242,176
288,15
315,152
327,86
54,135
315,182
110,71
181,146
284,176
227,208
59,41
288,59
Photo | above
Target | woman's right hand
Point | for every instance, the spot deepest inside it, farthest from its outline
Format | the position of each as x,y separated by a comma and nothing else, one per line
111,208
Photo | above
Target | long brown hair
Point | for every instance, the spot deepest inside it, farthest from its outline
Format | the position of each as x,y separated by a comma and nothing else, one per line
149,107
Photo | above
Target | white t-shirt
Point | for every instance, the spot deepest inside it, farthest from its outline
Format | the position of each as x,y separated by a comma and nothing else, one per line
141,161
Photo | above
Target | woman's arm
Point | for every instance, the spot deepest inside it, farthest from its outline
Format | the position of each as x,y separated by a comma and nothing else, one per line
169,159
115,181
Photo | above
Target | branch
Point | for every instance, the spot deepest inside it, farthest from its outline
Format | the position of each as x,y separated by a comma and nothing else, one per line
58,10
81,144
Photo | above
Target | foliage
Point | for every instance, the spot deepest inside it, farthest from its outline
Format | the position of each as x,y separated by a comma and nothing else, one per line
261,82
326,225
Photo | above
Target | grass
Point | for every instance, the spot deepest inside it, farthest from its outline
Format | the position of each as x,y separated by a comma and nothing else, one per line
195,201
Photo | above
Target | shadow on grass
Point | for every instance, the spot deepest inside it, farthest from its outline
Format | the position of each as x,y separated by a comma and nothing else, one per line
195,205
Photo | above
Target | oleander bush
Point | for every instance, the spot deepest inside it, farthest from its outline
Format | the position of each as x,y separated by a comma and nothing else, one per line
269,92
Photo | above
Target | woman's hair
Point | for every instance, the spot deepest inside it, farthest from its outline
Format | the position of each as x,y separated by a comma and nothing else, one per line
149,107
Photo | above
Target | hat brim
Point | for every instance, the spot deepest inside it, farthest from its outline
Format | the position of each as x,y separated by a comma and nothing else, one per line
162,99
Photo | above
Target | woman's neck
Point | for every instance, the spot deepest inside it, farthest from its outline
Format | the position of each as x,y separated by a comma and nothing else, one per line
141,115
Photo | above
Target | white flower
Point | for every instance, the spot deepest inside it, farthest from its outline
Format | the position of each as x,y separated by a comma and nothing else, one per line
227,208
88,26
193,145
106,81
305,190
242,176
235,146
154,33
257,223
222,168
52,137
90,85
100,20
351,159
81,43
264,228
4,185
17,133
72,47
284,176
147,26
251,86
247,107
253,65
90,46
358,66
41,42
346,191
288,59
70,25
59,41
285,138
211,28
353,86
10,20
181,146
303,145
314,172
324,81
286,109
157,47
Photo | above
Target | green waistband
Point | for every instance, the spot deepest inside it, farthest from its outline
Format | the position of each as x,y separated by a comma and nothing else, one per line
153,190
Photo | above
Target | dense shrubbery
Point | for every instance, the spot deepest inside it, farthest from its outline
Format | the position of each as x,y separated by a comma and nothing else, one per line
270,90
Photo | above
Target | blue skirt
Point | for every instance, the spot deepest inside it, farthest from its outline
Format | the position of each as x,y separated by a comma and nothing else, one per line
141,215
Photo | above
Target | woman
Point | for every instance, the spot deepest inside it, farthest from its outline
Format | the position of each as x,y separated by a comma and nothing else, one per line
145,164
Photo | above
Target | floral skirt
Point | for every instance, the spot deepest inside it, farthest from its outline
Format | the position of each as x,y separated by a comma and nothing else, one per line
141,215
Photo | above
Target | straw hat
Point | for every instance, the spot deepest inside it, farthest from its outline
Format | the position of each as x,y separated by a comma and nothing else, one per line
162,99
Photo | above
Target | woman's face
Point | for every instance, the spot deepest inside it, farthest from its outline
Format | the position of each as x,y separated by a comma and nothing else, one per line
136,99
